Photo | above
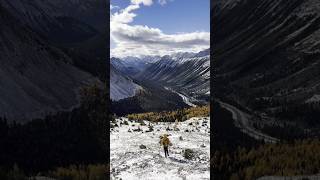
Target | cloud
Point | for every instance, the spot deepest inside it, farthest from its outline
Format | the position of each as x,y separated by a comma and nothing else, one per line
137,40
124,16
112,7
163,2
144,2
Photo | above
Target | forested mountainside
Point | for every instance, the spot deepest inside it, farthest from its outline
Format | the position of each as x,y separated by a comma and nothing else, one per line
58,144
38,75
267,57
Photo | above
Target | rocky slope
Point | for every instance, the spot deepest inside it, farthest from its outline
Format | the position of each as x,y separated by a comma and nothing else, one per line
267,55
76,27
36,78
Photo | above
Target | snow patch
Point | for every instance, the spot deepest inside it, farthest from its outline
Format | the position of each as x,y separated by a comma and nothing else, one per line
121,86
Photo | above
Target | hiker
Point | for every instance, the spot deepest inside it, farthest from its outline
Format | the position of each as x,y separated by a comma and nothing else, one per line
164,140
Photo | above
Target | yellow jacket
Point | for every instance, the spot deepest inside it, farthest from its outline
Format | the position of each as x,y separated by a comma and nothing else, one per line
165,141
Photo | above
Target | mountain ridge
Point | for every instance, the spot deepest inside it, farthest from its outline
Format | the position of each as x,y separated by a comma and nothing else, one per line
37,78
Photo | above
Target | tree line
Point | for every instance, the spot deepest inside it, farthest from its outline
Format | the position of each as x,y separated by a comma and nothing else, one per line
76,137
237,156
172,116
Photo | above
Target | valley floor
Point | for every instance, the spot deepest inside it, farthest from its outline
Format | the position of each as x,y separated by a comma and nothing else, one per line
129,161
241,121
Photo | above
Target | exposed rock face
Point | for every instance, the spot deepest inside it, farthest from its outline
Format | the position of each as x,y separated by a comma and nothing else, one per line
36,78
266,50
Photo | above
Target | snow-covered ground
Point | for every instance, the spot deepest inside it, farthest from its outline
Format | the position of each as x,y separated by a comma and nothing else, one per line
129,161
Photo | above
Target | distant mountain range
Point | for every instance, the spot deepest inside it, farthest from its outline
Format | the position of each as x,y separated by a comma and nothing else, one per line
164,83
188,73
133,65
44,55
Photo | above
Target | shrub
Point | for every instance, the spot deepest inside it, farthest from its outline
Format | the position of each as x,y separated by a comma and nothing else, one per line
150,129
142,123
111,126
188,154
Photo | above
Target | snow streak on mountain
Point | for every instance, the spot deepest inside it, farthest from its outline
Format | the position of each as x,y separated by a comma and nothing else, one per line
121,86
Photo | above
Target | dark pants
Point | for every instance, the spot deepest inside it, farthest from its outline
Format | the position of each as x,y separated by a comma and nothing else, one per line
166,152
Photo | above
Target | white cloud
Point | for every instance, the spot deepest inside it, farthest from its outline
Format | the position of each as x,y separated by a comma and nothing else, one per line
137,40
112,7
163,2
144,2
124,16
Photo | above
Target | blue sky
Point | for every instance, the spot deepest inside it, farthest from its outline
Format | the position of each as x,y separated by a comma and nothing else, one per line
159,27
